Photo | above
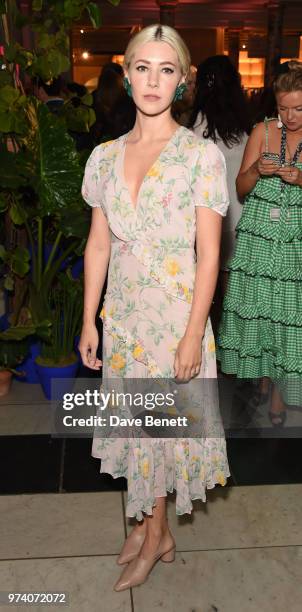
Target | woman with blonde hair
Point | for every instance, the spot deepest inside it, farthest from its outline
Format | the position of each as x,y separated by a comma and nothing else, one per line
154,191
260,333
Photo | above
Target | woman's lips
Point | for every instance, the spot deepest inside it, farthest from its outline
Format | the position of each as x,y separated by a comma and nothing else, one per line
151,97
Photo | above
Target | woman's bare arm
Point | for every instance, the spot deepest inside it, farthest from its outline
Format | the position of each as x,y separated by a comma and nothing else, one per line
208,235
208,232
249,174
96,258
253,164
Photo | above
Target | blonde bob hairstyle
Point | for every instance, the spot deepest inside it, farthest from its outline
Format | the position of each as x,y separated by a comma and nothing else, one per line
291,80
161,33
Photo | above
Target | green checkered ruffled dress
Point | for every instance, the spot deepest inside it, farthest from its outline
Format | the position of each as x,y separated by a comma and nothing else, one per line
260,332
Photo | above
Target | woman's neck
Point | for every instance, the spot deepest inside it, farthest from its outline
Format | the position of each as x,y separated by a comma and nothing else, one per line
151,129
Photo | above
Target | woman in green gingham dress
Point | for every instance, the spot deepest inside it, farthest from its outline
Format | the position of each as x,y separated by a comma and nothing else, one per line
260,333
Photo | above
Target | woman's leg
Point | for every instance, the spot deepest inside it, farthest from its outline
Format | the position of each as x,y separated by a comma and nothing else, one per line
264,385
277,410
157,529
158,543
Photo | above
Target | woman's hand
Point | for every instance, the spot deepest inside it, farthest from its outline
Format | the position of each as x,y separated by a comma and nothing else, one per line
266,167
187,360
88,345
290,174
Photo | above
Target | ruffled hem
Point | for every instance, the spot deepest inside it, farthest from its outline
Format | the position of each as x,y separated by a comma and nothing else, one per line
267,311
282,362
250,367
268,231
268,191
160,466
261,267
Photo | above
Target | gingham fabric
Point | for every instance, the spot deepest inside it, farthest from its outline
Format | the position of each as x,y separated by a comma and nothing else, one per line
260,332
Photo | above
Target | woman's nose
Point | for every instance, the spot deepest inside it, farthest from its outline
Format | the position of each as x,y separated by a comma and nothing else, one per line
153,79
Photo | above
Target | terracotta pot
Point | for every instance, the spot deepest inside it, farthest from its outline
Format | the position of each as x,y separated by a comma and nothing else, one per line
5,381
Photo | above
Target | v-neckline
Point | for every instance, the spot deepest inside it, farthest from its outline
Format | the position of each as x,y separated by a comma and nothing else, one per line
124,143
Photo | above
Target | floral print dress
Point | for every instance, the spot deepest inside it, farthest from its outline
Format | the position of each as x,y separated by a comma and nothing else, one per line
147,306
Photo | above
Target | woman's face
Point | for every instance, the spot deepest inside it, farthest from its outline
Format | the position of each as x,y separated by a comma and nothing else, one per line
290,109
154,74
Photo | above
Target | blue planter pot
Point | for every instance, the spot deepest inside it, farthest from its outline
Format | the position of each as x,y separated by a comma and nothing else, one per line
46,252
76,342
48,373
4,323
77,268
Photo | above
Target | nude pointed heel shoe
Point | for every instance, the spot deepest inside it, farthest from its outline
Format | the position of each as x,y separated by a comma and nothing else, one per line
169,556
131,548
138,570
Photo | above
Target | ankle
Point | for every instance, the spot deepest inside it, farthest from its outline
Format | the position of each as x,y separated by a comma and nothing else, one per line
159,531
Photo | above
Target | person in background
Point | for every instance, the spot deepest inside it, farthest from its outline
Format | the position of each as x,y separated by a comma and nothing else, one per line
115,111
220,113
181,109
260,334
51,94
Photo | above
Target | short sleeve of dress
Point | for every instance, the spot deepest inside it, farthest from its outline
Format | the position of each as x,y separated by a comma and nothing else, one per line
209,182
91,188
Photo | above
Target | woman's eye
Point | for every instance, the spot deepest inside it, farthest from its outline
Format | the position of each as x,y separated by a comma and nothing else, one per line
169,70
139,68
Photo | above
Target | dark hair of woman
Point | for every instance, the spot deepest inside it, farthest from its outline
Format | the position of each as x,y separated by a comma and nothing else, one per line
115,111
221,100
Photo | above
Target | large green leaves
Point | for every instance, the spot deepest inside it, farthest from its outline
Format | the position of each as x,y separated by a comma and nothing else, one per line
58,175
94,14
12,113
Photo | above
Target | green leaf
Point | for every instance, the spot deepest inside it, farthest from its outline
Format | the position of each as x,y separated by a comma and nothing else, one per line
20,267
6,122
22,331
87,99
15,169
94,14
37,5
8,95
45,41
57,173
10,51
114,2
74,224
6,78
17,214
3,204
9,283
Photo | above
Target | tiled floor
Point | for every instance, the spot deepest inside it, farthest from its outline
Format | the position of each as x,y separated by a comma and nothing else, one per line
240,552
62,523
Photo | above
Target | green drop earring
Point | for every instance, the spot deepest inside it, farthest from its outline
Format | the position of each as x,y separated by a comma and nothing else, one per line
179,92
127,87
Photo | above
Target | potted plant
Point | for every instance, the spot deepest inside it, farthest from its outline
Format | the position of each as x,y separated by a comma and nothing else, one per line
12,353
58,359
40,168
